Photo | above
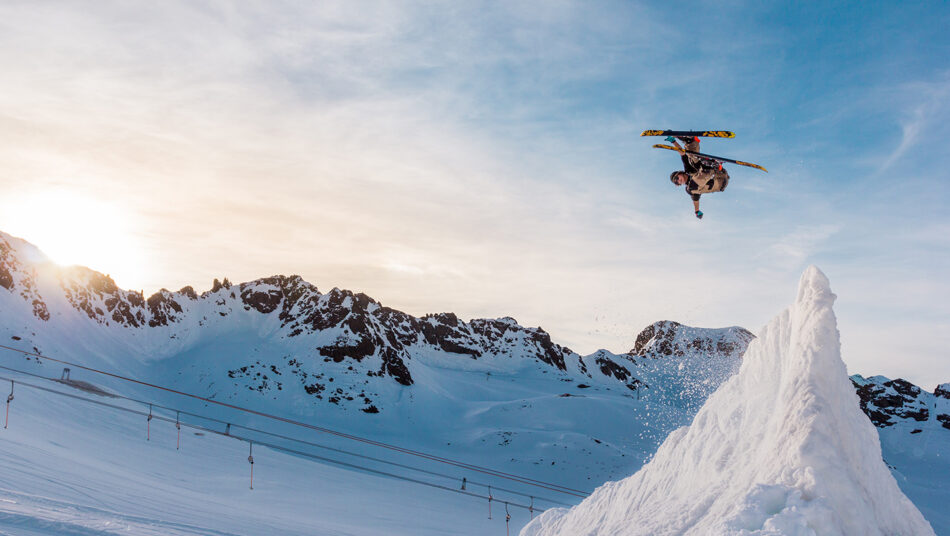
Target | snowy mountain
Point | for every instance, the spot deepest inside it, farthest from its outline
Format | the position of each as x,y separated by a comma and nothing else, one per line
366,350
888,402
342,326
780,448
488,391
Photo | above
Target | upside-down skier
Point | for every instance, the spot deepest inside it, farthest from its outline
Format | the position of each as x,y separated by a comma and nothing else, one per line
700,175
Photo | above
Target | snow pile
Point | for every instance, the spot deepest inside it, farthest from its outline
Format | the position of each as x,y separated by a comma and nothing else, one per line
781,448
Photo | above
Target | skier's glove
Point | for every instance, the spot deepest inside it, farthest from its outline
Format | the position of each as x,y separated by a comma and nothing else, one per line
670,139
699,214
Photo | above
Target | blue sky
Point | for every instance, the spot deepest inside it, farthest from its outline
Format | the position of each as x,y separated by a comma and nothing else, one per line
484,158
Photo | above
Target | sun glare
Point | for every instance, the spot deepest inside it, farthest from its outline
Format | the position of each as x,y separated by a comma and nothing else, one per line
72,228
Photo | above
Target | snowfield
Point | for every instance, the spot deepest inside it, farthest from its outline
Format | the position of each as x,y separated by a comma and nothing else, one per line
487,392
70,468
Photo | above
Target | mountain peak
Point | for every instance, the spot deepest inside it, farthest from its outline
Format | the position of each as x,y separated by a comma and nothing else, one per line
340,326
667,338
780,448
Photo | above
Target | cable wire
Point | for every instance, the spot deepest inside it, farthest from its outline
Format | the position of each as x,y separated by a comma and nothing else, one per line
499,474
272,446
178,411
492,472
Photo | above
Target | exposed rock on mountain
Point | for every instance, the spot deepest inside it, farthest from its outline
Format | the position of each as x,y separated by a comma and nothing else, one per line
281,345
889,402
341,326
19,277
885,401
668,338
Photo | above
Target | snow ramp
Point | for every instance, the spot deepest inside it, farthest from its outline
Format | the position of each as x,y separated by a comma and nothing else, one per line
780,448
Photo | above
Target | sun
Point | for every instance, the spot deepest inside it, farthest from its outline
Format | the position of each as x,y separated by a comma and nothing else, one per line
74,228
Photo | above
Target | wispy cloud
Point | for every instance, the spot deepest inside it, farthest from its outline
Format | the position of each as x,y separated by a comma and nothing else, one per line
929,110
795,247
480,157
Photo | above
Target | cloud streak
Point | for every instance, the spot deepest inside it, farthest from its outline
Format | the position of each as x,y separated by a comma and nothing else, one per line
475,157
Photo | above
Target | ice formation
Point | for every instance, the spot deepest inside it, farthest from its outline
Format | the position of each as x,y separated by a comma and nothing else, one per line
780,448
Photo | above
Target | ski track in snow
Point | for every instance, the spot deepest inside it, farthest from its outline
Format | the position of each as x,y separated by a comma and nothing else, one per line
42,515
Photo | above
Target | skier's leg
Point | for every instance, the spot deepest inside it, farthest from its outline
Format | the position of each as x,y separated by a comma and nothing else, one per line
722,178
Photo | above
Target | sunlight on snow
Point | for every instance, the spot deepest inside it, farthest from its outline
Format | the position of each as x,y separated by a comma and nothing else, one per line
72,228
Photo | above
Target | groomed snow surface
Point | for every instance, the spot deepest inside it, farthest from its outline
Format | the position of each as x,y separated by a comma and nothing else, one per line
780,448
71,468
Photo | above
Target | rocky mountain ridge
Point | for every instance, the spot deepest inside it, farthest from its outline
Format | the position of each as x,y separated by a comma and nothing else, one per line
350,331
341,327
889,402
492,389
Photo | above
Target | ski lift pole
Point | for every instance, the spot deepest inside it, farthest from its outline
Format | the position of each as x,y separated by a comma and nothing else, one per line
490,498
250,460
148,424
178,427
507,521
9,399
531,508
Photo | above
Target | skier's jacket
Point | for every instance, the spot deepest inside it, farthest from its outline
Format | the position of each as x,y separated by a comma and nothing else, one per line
705,176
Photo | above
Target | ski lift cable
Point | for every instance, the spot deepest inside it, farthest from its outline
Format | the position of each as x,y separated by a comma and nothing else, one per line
499,474
9,399
270,445
178,424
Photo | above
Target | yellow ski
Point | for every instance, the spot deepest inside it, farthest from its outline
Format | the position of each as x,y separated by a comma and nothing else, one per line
711,157
690,133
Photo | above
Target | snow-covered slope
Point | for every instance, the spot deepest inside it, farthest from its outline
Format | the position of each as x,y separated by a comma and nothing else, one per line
487,391
914,427
781,448
889,402
280,345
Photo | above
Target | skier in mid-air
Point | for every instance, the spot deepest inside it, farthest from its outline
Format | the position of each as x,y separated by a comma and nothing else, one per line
700,175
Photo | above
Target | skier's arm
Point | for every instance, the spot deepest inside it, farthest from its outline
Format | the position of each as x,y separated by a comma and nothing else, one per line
696,211
688,164
691,163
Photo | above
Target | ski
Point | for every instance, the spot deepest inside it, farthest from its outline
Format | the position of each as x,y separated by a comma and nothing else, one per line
690,133
711,157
